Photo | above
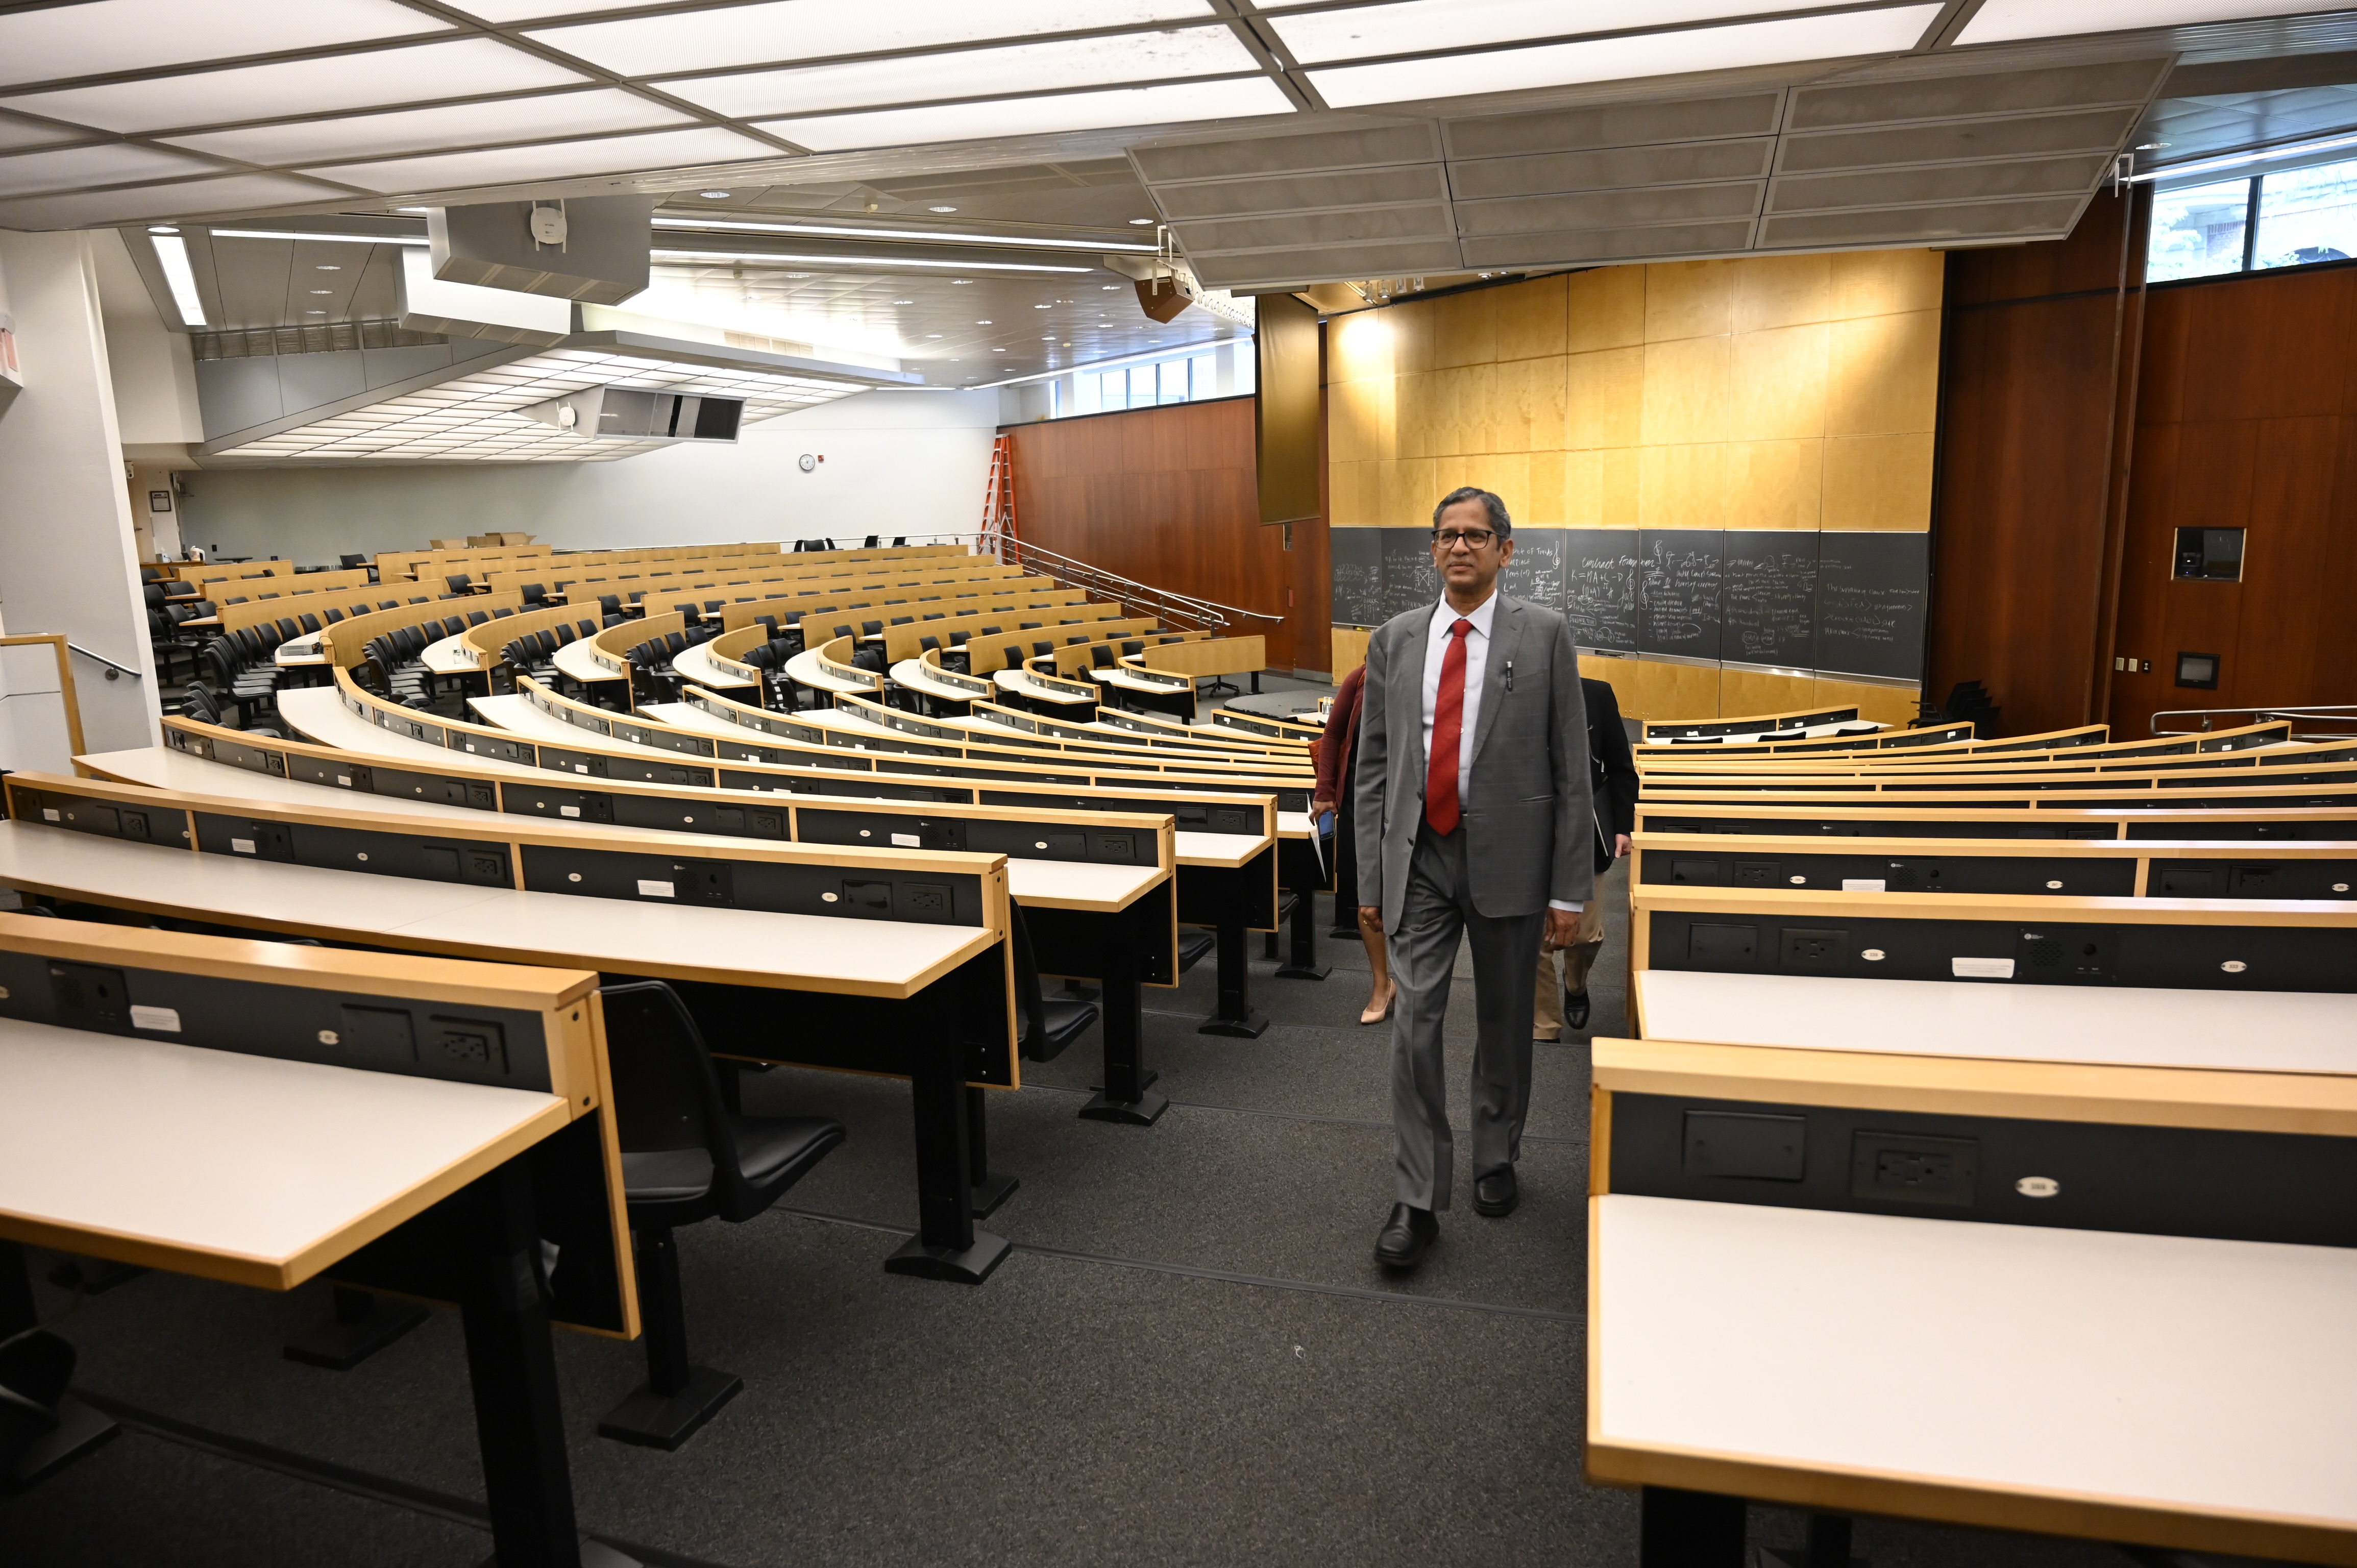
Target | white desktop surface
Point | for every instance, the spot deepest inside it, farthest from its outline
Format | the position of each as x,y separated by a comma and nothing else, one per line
916,676
805,669
1021,681
222,1155
2218,1376
688,716
517,714
694,662
1226,850
161,768
575,659
450,656
2270,1031
655,937
297,651
318,713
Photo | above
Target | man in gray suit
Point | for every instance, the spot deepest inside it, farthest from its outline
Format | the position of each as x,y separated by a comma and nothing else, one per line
1472,820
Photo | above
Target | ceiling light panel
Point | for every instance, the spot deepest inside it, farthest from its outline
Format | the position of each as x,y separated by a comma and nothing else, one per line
234,193
563,160
1158,56
56,42
1234,99
1999,20
111,163
819,29
1840,36
458,125
459,68
1418,27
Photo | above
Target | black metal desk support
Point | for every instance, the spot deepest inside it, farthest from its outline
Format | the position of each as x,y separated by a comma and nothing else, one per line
1235,1017
79,1428
1128,1096
363,1324
990,1189
946,1246
1688,1529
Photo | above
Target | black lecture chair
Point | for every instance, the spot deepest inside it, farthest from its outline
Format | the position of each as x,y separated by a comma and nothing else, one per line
1050,1022
610,603
1100,657
1028,626
1076,640
1132,649
536,594
1014,655
1041,649
460,583
685,1157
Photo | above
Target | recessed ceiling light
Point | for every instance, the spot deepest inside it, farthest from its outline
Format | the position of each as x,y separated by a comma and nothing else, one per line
798,275
160,231
1139,222
1109,287
172,255
982,323
941,210
713,195
961,280
314,313
2003,19
329,267
323,291
932,334
904,302
1040,307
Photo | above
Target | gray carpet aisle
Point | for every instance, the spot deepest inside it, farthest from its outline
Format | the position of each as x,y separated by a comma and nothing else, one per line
1192,1357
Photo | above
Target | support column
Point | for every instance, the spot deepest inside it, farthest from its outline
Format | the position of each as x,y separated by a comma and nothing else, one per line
67,560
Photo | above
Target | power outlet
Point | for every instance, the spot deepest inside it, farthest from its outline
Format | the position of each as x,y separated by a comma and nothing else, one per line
471,1042
925,901
1756,873
1912,1167
1821,952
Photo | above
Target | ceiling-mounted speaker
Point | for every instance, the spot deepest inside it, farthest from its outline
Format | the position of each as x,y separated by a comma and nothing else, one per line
1160,298
590,248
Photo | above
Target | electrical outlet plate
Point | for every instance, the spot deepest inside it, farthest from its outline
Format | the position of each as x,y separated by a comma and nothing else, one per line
1913,1168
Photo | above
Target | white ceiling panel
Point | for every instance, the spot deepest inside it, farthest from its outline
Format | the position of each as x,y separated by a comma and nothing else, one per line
503,12
1609,59
1999,20
457,125
25,134
233,193
459,68
565,160
973,73
1234,99
1413,27
816,29
99,37
111,163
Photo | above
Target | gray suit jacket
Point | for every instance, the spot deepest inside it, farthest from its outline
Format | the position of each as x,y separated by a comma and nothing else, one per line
1526,808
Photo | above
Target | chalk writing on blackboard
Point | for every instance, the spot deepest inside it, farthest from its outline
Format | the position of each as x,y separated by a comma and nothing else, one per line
1599,587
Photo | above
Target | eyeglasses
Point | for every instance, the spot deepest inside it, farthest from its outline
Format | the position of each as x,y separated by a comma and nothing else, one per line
1472,538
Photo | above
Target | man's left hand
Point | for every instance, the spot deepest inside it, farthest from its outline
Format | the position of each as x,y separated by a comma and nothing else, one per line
1620,846
1562,928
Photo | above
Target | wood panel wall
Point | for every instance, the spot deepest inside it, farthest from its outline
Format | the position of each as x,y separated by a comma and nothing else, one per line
1169,497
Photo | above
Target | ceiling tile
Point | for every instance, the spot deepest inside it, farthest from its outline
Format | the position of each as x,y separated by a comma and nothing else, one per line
25,134
1617,168
1998,20
233,193
2050,218
1608,209
1957,182
111,163
1415,27
510,166
1151,57
1293,230
1314,264
459,68
503,12
1981,92
457,125
1835,37
1571,247
1614,126
2095,130
1305,192
819,29
1238,98
55,42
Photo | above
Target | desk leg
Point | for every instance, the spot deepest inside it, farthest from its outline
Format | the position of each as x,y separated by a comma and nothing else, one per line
363,1324
1302,963
990,1190
79,1428
1688,1529
512,1366
946,1245
1126,1097
1235,1017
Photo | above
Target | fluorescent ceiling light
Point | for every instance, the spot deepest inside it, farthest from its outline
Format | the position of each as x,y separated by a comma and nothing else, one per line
111,163
1232,99
506,166
1845,33
338,84
107,36
1416,26
325,238
817,29
864,262
172,253
1998,20
972,73
459,125
854,233
2243,160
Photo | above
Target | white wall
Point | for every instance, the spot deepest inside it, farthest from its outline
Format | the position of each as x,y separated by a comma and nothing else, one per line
152,371
896,463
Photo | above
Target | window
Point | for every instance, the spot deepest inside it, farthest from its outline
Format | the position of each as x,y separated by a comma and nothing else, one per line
1189,380
2286,220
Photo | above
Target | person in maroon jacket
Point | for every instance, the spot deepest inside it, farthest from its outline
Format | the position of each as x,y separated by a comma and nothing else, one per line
1338,758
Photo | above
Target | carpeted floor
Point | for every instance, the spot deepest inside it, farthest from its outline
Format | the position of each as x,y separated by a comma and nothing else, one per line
1192,1357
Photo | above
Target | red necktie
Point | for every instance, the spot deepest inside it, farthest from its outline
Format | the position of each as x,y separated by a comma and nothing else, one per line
1441,807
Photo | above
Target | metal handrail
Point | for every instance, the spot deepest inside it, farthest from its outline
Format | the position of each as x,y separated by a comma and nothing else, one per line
1165,604
102,659
2327,713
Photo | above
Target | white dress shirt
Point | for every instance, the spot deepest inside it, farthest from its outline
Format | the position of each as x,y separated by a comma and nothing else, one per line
1477,664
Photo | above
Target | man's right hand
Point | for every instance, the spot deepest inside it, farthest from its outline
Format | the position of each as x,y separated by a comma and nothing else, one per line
1371,917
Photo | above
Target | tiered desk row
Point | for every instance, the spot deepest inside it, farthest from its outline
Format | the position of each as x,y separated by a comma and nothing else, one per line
1985,1152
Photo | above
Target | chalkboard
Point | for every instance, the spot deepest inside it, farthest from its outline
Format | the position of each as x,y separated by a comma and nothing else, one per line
1872,589
1358,574
1767,599
1599,587
1535,574
1678,591
1409,580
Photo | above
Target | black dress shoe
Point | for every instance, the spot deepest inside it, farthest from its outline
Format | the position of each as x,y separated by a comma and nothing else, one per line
1495,1193
1574,1009
1404,1237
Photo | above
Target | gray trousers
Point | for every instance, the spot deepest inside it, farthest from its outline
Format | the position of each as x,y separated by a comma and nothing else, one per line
1438,912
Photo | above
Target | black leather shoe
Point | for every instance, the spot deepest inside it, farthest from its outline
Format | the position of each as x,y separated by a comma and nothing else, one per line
1404,1237
1574,1009
1495,1193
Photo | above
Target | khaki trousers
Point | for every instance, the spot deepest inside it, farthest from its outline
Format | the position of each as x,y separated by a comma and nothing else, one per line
1546,1017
